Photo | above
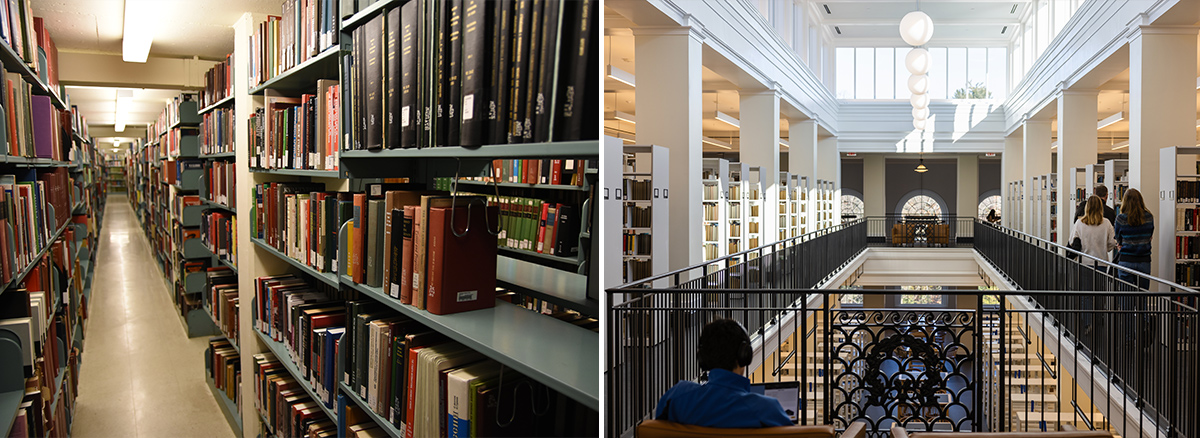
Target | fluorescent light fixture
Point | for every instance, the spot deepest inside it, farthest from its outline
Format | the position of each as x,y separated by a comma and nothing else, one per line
1198,123
620,75
784,143
717,143
628,140
729,120
1119,116
624,117
124,99
1198,83
1054,145
1121,145
138,30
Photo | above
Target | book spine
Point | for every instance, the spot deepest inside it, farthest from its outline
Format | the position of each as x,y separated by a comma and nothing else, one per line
475,48
453,75
532,68
409,20
519,62
497,110
374,84
392,125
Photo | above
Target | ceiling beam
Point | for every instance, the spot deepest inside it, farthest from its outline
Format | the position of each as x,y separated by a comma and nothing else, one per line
893,22
110,71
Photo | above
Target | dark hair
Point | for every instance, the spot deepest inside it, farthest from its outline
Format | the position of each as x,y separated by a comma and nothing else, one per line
1133,208
724,344
1101,191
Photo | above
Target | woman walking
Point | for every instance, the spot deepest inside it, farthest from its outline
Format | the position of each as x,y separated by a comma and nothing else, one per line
1134,232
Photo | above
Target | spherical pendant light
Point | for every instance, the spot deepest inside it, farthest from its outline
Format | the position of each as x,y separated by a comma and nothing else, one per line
920,100
917,61
920,113
918,84
916,28
919,124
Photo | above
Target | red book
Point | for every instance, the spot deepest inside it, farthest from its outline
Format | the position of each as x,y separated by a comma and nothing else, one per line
542,226
406,263
357,273
555,171
411,383
462,269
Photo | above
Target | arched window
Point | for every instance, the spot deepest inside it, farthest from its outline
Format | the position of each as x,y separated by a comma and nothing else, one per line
921,205
989,203
852,206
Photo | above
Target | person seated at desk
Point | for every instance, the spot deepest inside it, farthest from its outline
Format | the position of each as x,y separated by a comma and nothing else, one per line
725,400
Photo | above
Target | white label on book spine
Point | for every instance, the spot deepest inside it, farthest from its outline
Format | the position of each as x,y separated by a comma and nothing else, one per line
329,163
395,292
468,107
404,117
469,295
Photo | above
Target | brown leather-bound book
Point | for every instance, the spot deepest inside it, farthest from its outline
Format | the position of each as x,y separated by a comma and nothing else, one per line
462,269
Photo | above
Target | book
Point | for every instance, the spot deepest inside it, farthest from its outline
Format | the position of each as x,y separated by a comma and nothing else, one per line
393,26
409,256
498,106
476,29
462,260
575,72
453,82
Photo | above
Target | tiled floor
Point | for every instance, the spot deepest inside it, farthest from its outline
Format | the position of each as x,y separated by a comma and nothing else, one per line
141,376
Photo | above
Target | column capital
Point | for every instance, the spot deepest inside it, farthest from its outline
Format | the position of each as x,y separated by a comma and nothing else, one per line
1142,29
1064,90
694,30
772,91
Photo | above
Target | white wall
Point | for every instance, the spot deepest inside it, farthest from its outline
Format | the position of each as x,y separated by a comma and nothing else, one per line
886,126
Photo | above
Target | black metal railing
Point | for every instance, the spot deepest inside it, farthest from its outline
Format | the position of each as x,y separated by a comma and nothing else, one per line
1128,341
917,231
1007,366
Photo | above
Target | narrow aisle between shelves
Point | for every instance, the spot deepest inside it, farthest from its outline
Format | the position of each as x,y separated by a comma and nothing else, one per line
141,375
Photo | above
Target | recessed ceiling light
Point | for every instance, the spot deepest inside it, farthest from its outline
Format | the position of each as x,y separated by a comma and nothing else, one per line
1014,9
838,29
827,9
1003,30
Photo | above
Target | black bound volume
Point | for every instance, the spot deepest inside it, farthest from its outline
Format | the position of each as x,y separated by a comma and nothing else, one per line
426,43
441,77
476,18
356,86
532,70
374,83
547,66
520,65
497,108
392,73
408,64
397,258
578,35
453,74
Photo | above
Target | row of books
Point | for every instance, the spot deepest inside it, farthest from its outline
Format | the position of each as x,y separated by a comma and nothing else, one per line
221,294
224,367
554,172
711,192
423,74
711,232
173,171
636,217
298,133
1187,247
538,226
218,82
288,409
305,29
636,190
1185,191
216,131
636,243
1187,274
219,231
220,180
18,30
182,109
175,139
634,270
30,125
26,204
180,203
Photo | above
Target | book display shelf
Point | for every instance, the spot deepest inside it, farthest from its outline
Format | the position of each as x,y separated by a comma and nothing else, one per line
1079,184
802,195
1178,215
755,222
342,137
114,174
824,204
56,172
715,179
643,197
785,211
739,210
1049,206
1094,177
1116,178
1015,205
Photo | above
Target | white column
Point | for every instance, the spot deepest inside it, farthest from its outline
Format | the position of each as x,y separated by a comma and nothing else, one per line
1036,154
250,265
1011,168
1162,107
874,185
669,103
1077,115
802,160
759,117
829,168
968,185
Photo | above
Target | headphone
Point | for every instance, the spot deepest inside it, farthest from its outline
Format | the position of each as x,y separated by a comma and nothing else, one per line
744,353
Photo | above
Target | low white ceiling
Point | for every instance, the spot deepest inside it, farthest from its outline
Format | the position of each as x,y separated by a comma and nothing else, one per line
98,104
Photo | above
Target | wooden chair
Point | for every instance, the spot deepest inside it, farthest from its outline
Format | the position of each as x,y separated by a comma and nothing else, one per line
668,429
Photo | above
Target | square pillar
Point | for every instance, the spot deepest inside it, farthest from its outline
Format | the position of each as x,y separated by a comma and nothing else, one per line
1011,168
968,185
669,102
874,185
829,168
802,161
1036,154
759,117
1077,115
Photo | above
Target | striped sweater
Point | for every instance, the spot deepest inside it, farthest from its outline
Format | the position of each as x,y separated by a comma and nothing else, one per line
1134,241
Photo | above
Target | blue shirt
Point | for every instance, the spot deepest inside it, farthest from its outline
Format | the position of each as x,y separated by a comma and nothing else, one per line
725,401
1135,241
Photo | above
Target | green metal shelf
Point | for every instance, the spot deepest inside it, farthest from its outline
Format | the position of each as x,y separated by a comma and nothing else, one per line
383,423
32,162
523,186
218,104
300,172
556,149
217,156
304,76
219,205
13,63
62,372
228,407
549,257
558,354
370,11
222,261
328,278
221,334
281,354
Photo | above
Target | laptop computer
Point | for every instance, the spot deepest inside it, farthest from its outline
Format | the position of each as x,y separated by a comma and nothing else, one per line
788,394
